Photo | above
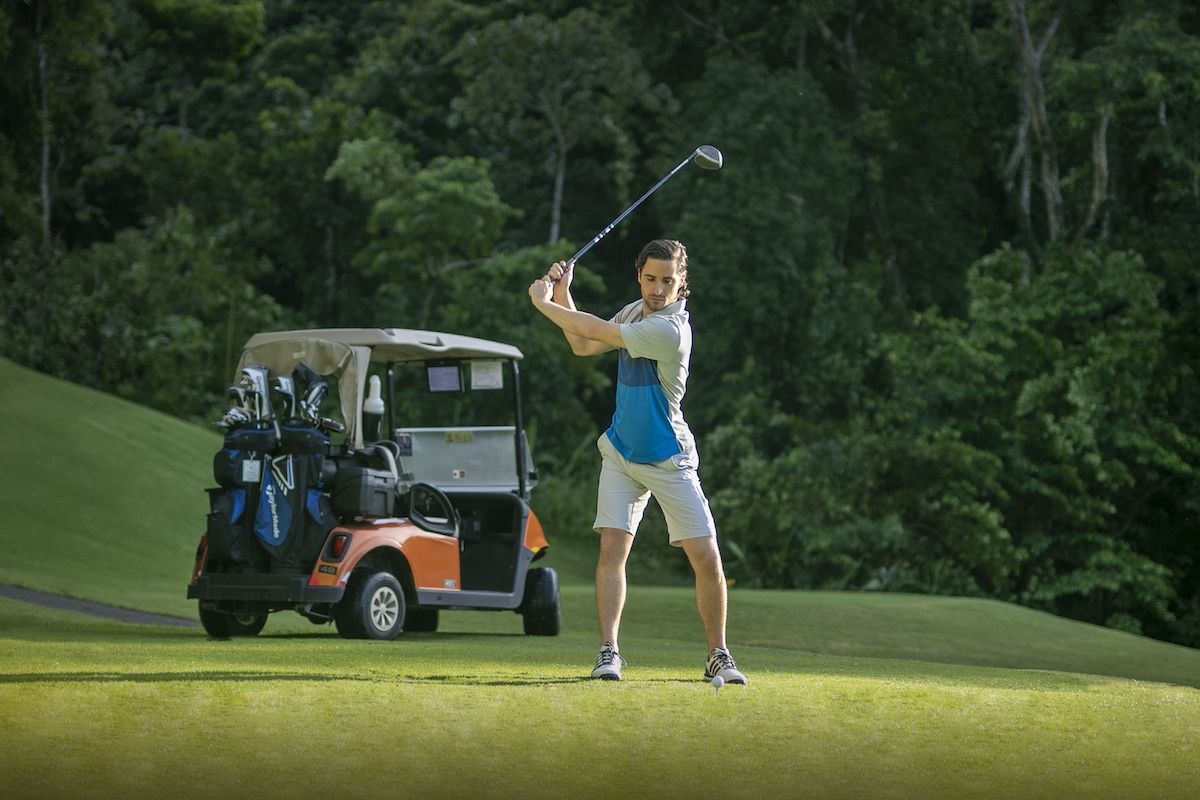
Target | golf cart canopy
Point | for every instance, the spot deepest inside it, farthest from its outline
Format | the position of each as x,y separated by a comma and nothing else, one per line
349,351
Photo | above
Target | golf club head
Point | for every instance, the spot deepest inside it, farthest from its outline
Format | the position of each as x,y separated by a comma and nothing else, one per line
705,156
708,157
237,396
285,390
254,378
235,418
331,425
311,407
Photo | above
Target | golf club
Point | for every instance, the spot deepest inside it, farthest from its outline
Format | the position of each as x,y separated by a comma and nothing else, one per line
254,379
285,390
235,418
311,407
237,397
705,156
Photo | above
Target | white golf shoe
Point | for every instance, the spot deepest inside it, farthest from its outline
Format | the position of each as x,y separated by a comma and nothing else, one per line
608,664
721,663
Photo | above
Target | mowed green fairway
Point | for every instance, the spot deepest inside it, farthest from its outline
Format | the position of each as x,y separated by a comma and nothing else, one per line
851,695
102,709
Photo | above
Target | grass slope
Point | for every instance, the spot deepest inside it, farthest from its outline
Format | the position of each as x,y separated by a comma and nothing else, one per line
103,499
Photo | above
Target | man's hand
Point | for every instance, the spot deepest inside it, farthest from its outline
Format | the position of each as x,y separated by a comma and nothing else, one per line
560,274
540,291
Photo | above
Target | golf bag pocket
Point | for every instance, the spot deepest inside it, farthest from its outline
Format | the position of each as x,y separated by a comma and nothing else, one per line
301,439
281,522
236,468
255,440
318,522
273,522
228,542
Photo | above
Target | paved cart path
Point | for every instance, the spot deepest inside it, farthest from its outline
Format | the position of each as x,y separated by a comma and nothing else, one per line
99,609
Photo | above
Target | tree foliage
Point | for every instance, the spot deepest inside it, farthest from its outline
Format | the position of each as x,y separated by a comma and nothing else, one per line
945,303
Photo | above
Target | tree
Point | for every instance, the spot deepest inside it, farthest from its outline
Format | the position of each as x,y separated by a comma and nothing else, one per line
190,41
50,53
537,85
425,224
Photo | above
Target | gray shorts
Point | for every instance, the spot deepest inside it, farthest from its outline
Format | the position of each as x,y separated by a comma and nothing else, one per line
626,486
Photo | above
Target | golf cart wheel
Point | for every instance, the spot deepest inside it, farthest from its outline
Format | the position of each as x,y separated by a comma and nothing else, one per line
372,608
539,609
215,623
221,625
421,620
247,623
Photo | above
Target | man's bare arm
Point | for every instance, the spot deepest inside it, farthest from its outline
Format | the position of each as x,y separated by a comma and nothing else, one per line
561,274
600,335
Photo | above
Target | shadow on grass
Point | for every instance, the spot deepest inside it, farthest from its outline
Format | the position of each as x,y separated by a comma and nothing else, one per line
824,671
267,677
413,638
1000,674
118,632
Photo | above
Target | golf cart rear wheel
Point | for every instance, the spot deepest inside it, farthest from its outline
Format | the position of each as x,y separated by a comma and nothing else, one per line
539,610
421,620
372,608
221,625
250,624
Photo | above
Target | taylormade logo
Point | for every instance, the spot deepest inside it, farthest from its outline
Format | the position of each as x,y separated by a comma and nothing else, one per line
274,511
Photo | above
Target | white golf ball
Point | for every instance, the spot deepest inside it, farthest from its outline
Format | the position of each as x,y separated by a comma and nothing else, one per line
718,681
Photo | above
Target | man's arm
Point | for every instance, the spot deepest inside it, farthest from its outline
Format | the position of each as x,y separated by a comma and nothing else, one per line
560,274
587,333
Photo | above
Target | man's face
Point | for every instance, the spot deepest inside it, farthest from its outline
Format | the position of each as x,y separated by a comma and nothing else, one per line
660,282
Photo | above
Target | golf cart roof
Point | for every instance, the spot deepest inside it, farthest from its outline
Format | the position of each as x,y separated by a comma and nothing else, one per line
348,352
397,344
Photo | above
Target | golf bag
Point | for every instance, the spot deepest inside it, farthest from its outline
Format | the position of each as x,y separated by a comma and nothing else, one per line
270,510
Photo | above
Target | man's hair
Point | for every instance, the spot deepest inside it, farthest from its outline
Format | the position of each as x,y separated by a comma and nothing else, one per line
667,250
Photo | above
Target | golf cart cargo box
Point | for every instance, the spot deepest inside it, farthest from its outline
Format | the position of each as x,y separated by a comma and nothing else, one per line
360,491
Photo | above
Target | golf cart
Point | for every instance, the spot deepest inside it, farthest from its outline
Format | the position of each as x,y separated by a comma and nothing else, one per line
412,497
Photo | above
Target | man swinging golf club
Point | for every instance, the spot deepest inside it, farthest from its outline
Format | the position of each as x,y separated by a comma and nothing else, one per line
649,448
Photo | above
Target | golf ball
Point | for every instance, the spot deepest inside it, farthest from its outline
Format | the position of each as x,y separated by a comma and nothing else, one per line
718,681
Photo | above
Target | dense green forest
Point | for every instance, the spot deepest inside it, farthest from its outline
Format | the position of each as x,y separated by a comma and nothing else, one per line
946,320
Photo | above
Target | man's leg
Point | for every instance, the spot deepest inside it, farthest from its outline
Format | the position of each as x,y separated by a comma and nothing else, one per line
711,595
610,582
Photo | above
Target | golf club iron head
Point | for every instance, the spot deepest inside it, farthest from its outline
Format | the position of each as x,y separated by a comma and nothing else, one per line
331,425
310,409
237,397
254,378
234,418
283,388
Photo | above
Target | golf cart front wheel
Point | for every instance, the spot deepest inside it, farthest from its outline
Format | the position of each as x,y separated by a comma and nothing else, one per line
372,608
540,609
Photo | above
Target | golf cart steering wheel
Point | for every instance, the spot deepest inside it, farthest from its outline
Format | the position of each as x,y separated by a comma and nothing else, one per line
445,525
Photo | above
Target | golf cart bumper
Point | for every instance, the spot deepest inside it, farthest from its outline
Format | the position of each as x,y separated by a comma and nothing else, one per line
260,588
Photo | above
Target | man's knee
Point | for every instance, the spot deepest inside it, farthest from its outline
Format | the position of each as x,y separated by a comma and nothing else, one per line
614,545
704,554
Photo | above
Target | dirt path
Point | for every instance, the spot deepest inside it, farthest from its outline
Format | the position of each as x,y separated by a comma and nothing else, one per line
99,609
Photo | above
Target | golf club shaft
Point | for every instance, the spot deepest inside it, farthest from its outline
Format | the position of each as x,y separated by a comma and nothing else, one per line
634,205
